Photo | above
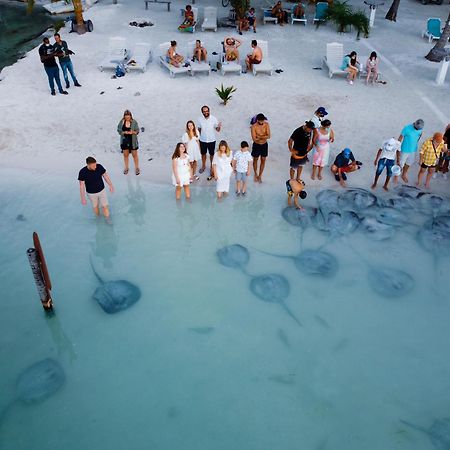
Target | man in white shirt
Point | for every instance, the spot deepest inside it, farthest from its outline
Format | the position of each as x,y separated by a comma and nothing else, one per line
207,125
387,156
318,116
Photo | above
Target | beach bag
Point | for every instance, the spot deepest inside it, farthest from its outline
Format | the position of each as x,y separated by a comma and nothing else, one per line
120,70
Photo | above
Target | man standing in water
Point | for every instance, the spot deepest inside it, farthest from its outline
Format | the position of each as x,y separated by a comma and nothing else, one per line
260,133
47,54
208,125
409,138
91,182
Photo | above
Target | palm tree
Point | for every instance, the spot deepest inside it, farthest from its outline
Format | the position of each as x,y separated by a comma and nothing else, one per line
436,53
78,10
392,13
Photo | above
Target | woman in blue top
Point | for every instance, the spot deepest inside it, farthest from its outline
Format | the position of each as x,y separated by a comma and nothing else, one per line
350,65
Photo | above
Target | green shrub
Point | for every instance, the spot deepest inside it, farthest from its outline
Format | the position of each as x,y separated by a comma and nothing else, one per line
224,93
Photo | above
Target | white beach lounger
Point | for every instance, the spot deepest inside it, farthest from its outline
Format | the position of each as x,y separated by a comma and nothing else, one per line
229,66
196,66
210,18
265,66
117,53
334,58
164,63
267,16
141,55
302,20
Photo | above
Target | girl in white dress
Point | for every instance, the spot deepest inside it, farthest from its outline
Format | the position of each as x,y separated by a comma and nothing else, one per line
222,169
322,138
181,171
191,139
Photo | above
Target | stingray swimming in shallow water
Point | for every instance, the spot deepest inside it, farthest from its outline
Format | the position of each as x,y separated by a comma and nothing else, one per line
115,296
273,288
376,230
390,282
236,256
356,199
37,383
438,432
299,217
342,223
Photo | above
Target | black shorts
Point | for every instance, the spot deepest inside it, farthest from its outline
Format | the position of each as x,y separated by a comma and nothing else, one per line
251,21
127,147
298,162
207,147
424,166
260,150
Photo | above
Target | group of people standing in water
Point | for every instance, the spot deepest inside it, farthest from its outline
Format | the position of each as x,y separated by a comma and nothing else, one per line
190,157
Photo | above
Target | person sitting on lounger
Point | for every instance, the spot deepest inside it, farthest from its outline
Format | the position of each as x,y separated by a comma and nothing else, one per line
299,11
172,56
230,46
255,57
279,13
350,64
248,21
188,19
199,51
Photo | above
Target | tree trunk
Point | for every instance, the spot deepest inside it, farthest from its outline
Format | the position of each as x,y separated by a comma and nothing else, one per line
78,10
392,13
435,54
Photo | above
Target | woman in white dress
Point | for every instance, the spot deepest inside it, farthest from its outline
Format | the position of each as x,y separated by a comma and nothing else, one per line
191,139
222,169
181,171
322,138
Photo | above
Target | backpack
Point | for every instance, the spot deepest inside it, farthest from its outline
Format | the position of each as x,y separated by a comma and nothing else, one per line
120,70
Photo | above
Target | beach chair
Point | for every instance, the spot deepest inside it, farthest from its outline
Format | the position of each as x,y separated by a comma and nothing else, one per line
333,59
321,10
164,63
192,28
117,53
433,30
229,66
196,66
210,18
298,19
267,16
140,56
265,66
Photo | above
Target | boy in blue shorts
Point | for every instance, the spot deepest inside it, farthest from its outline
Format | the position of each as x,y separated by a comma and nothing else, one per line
241,166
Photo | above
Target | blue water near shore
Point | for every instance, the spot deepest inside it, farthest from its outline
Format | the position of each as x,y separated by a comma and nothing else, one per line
20,31
200,363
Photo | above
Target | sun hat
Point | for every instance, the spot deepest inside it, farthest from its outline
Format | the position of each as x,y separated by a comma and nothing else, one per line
418,124
396,170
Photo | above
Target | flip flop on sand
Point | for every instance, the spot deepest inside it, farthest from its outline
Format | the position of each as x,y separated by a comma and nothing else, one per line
125,171
138,172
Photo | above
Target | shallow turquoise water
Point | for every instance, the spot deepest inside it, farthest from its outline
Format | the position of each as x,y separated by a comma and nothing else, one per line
200,362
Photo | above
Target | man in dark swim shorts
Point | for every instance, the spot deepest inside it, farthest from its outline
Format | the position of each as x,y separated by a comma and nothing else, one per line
295,189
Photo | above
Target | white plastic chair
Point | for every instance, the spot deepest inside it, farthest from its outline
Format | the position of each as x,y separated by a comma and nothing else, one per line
333,59
267,16
210,18
164,63
264,66
197,66
297,19
141,55
229,66
117,53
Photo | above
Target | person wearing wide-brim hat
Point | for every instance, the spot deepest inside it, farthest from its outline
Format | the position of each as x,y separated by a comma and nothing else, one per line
387,156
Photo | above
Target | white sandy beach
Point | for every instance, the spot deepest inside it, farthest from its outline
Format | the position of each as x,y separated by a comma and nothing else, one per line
49,134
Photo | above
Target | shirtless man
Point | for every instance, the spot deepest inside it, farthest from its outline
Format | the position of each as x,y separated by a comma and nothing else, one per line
295,189
199,51
255,57
260,134
231,48
173,57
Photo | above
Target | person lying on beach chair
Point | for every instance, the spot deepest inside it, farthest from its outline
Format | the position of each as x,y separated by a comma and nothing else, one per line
200,53
279,13
230,46
188,22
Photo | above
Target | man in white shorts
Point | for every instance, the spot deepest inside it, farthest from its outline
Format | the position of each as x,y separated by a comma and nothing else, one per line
91,182
409,138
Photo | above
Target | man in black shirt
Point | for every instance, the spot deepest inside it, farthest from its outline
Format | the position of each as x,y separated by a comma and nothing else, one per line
91,182
63,53
344,162
299,144
47,54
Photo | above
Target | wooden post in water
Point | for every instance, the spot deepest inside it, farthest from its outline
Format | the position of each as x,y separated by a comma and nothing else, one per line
40,273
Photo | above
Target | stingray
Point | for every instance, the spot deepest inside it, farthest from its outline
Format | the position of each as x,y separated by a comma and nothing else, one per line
235,256
407,191
273,288
399,202
342,223
327,201
391,216
376,230
390,282
36,383
356,199
297,217
438,432
434,239
442,223
432,203
115,296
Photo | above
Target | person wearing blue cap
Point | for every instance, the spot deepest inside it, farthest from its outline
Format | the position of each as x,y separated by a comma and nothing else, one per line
318,116
345,162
